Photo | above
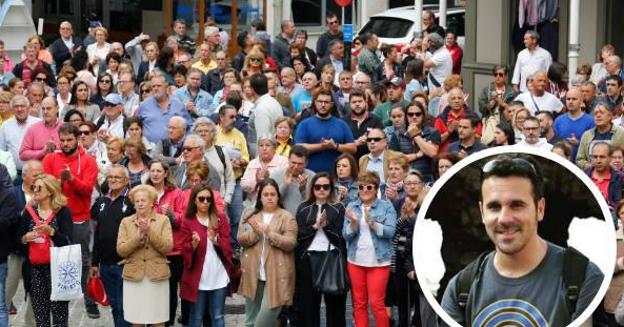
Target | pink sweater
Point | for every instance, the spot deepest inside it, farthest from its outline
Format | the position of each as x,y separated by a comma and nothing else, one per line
35,139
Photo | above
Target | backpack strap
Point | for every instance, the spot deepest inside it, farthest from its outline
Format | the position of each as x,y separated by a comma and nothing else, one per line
221,155
574,267
466,277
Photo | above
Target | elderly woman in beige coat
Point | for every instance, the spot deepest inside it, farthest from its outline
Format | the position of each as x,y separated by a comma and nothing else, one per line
144,241
268,237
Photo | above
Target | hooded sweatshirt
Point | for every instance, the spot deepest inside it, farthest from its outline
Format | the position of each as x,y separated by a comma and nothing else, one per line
9,213
84,170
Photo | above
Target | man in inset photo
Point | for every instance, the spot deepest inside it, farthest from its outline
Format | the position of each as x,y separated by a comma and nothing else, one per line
526,280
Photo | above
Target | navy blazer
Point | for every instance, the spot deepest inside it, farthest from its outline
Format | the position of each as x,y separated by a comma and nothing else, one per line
60,52
143,69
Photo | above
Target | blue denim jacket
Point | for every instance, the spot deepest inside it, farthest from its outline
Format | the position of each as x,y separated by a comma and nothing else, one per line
352,190
203,100
384,214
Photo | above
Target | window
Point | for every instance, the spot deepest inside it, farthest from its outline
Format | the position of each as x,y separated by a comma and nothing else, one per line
312,12
59,7
388,27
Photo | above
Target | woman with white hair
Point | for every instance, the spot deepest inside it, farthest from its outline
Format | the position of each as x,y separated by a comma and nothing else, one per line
262,166
217,156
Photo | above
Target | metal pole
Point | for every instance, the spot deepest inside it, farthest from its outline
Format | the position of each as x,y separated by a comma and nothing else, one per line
442,13
574,46
418,8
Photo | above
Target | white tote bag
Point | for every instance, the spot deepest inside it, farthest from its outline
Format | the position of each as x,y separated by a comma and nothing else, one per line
66,269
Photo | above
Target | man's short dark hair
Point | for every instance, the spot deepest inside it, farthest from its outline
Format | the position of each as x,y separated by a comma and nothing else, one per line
366,37
333,43
474,120
515,166
241,39
533,119
358,93
68,128
234,99
300,151
259,84
225,108
547,114
616,78
331,14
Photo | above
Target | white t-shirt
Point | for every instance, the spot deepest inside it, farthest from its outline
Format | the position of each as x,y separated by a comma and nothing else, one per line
320,240
443,67
266,219
365,254
528,63
547,102
213,275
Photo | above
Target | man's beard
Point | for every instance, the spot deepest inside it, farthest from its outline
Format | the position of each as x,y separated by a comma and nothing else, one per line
70,151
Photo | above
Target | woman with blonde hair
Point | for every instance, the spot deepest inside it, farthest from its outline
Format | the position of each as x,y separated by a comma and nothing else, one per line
520,113
47,221
451,82
99,50
42,53
144,240
284,127
255,62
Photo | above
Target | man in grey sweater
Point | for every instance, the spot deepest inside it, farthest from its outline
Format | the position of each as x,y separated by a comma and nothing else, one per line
293,180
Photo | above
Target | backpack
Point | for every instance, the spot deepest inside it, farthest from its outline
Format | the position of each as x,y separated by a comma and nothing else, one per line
574,266
39,249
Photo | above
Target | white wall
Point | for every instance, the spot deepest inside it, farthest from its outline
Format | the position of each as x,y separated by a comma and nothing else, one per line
588,31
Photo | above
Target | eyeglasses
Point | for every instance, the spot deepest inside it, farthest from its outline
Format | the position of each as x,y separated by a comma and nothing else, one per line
361,82
114,178
318,187
189,148
412,183
323,102
105,81
514,164
35,188
85,132
255,59
414,114
499,74
368,187
204,199
374,139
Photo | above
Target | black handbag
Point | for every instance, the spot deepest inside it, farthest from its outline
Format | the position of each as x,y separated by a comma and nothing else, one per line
329,272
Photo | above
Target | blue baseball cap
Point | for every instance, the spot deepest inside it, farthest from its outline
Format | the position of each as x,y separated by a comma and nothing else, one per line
112,99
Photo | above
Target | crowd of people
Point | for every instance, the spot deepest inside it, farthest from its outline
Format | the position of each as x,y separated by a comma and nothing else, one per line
187,176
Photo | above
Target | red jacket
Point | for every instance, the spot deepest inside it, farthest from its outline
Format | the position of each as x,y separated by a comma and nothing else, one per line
78,191
175,199
194,259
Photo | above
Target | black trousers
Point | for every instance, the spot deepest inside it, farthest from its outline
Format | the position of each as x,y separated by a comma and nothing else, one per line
41,288
308,300
176,265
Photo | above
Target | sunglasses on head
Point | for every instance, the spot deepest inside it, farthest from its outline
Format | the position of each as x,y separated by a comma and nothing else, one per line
368,187
318,187
204,199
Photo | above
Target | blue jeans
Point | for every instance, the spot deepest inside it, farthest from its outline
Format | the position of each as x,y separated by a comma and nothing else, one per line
113,285
235,210
215,300
4,313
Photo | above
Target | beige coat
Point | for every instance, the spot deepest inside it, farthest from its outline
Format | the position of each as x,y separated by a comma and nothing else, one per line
148,259
614,292
279,257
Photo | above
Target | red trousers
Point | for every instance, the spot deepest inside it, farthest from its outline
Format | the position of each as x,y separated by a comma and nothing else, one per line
369,284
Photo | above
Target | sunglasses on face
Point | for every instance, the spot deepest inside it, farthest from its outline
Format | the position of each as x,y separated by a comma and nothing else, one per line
499,74
145,91
189,148
204,199
85,132
368,187
40,79
105,81
414,114
318,187
374,139
35,188
255,59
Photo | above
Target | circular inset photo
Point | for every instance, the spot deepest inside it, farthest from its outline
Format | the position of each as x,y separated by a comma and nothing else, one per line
516,237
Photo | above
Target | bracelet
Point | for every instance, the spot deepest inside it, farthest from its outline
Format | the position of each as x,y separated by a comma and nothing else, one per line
338,147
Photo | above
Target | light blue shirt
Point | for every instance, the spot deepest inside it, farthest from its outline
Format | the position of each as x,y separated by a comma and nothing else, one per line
129,102
202,101
4,79
376,164
338,66
302,100
155,121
